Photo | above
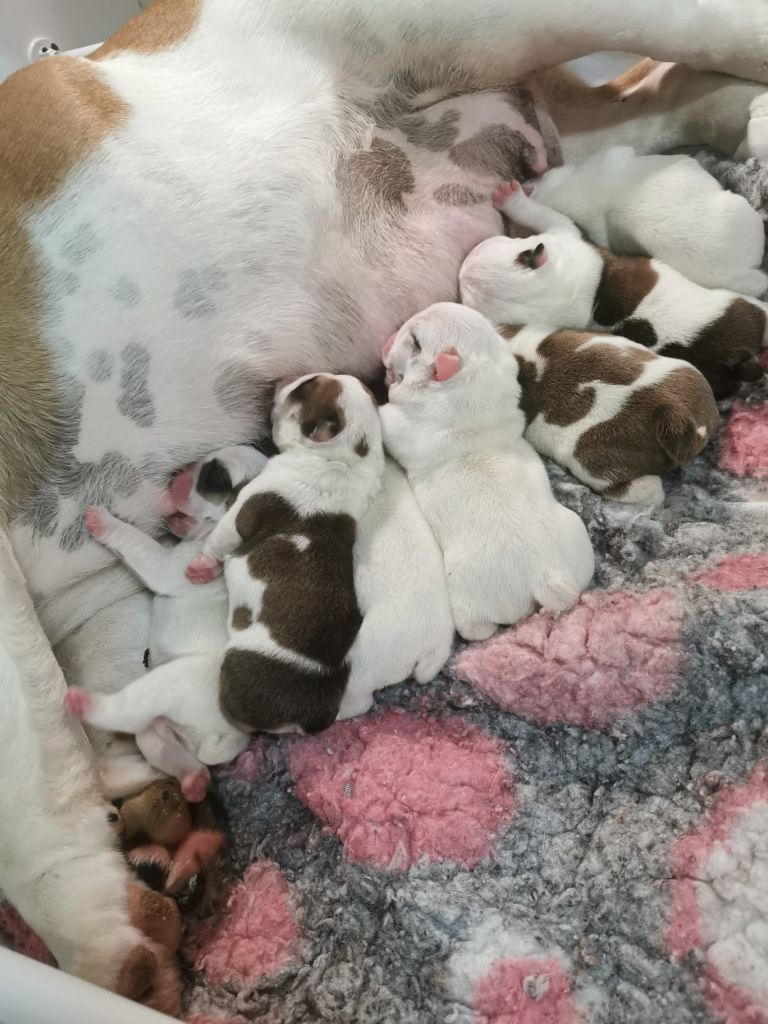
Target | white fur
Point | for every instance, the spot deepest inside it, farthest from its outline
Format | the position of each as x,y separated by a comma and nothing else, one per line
506,542
562,292
401,588
239,178
668,207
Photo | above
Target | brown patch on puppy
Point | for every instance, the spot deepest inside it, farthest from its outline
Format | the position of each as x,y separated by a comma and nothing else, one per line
158,812
55,114
624,284
727,351
242,617
137,974
214,482
361,448
156,916
322,418
656,431
639,330
309,604
163,24
561,393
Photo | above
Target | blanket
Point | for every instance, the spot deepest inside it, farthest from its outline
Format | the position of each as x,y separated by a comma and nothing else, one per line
569,827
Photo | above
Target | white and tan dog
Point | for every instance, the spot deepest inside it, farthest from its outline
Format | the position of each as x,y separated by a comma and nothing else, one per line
165,259
554,277
174,708
401,588
289,544
455,425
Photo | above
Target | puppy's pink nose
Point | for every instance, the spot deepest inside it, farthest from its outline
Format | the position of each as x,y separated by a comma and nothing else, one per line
388,345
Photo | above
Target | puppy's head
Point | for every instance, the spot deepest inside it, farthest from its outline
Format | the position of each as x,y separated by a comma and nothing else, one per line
333,415
203,491
442,350
509,280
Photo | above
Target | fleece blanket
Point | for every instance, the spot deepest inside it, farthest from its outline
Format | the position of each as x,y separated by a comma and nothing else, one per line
569,827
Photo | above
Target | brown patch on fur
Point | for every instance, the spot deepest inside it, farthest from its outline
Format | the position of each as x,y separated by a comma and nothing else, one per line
137,973
727,351
361,448
309,604
639,330
156,916
379,176
158,812
624,283
498,151
55,113
242,617
319,398
165,23
655,432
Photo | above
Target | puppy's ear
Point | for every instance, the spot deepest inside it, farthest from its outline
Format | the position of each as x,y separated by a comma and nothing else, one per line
677,435
447,365
539,256
322,417
213,481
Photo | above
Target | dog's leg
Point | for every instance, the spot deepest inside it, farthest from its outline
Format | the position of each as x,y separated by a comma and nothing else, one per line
495,41
512,201
652,107
143,555
58,862
163,748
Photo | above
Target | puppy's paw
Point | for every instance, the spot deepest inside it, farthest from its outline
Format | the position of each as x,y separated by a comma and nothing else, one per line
506,192
96,521
77,701
194,785
203,569
197,853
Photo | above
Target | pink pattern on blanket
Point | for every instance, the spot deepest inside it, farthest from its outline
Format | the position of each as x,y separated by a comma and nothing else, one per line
718,906
256,934
736,572
396,788
23,939
744,446
610,655
526,990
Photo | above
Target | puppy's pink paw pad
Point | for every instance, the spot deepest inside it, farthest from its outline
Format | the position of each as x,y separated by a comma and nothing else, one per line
504,191
194,786
203,569
95,520
77,701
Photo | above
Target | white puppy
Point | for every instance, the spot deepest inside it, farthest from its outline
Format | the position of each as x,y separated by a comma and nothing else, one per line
400,581
290,536
454,423
667,207
556,278
174,709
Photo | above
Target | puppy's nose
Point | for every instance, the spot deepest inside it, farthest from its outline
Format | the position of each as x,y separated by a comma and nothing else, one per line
388,345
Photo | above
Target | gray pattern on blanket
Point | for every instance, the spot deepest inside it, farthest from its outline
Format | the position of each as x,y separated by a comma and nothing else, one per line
571,826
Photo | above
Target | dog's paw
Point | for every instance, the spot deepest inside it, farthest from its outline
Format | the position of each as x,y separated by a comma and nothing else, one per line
203,569
194,786
96,521
77,701
506,191
197,853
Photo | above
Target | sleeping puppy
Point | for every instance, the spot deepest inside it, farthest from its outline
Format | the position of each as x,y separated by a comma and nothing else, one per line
557,278
173,709
613,413
668,207
455,425
400,581
289,541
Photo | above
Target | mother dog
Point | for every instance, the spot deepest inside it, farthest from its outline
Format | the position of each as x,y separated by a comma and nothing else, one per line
228,192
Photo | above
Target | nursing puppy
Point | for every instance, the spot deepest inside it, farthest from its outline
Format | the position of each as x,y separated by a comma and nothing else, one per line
557,278
401,588
290,536
613,413
174,709
668,207
454,423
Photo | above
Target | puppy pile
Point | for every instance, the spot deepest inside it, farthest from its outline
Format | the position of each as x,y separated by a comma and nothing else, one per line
352,556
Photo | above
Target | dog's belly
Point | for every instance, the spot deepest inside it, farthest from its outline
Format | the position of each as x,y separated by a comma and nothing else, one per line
179,281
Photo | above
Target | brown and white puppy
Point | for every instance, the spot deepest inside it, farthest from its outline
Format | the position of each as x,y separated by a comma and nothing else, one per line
613,413
291,535
556,277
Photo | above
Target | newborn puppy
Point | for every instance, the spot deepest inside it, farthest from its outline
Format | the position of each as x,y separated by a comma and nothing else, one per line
454,423
613,413
557,278
173,709
668,207
401,588
291,535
